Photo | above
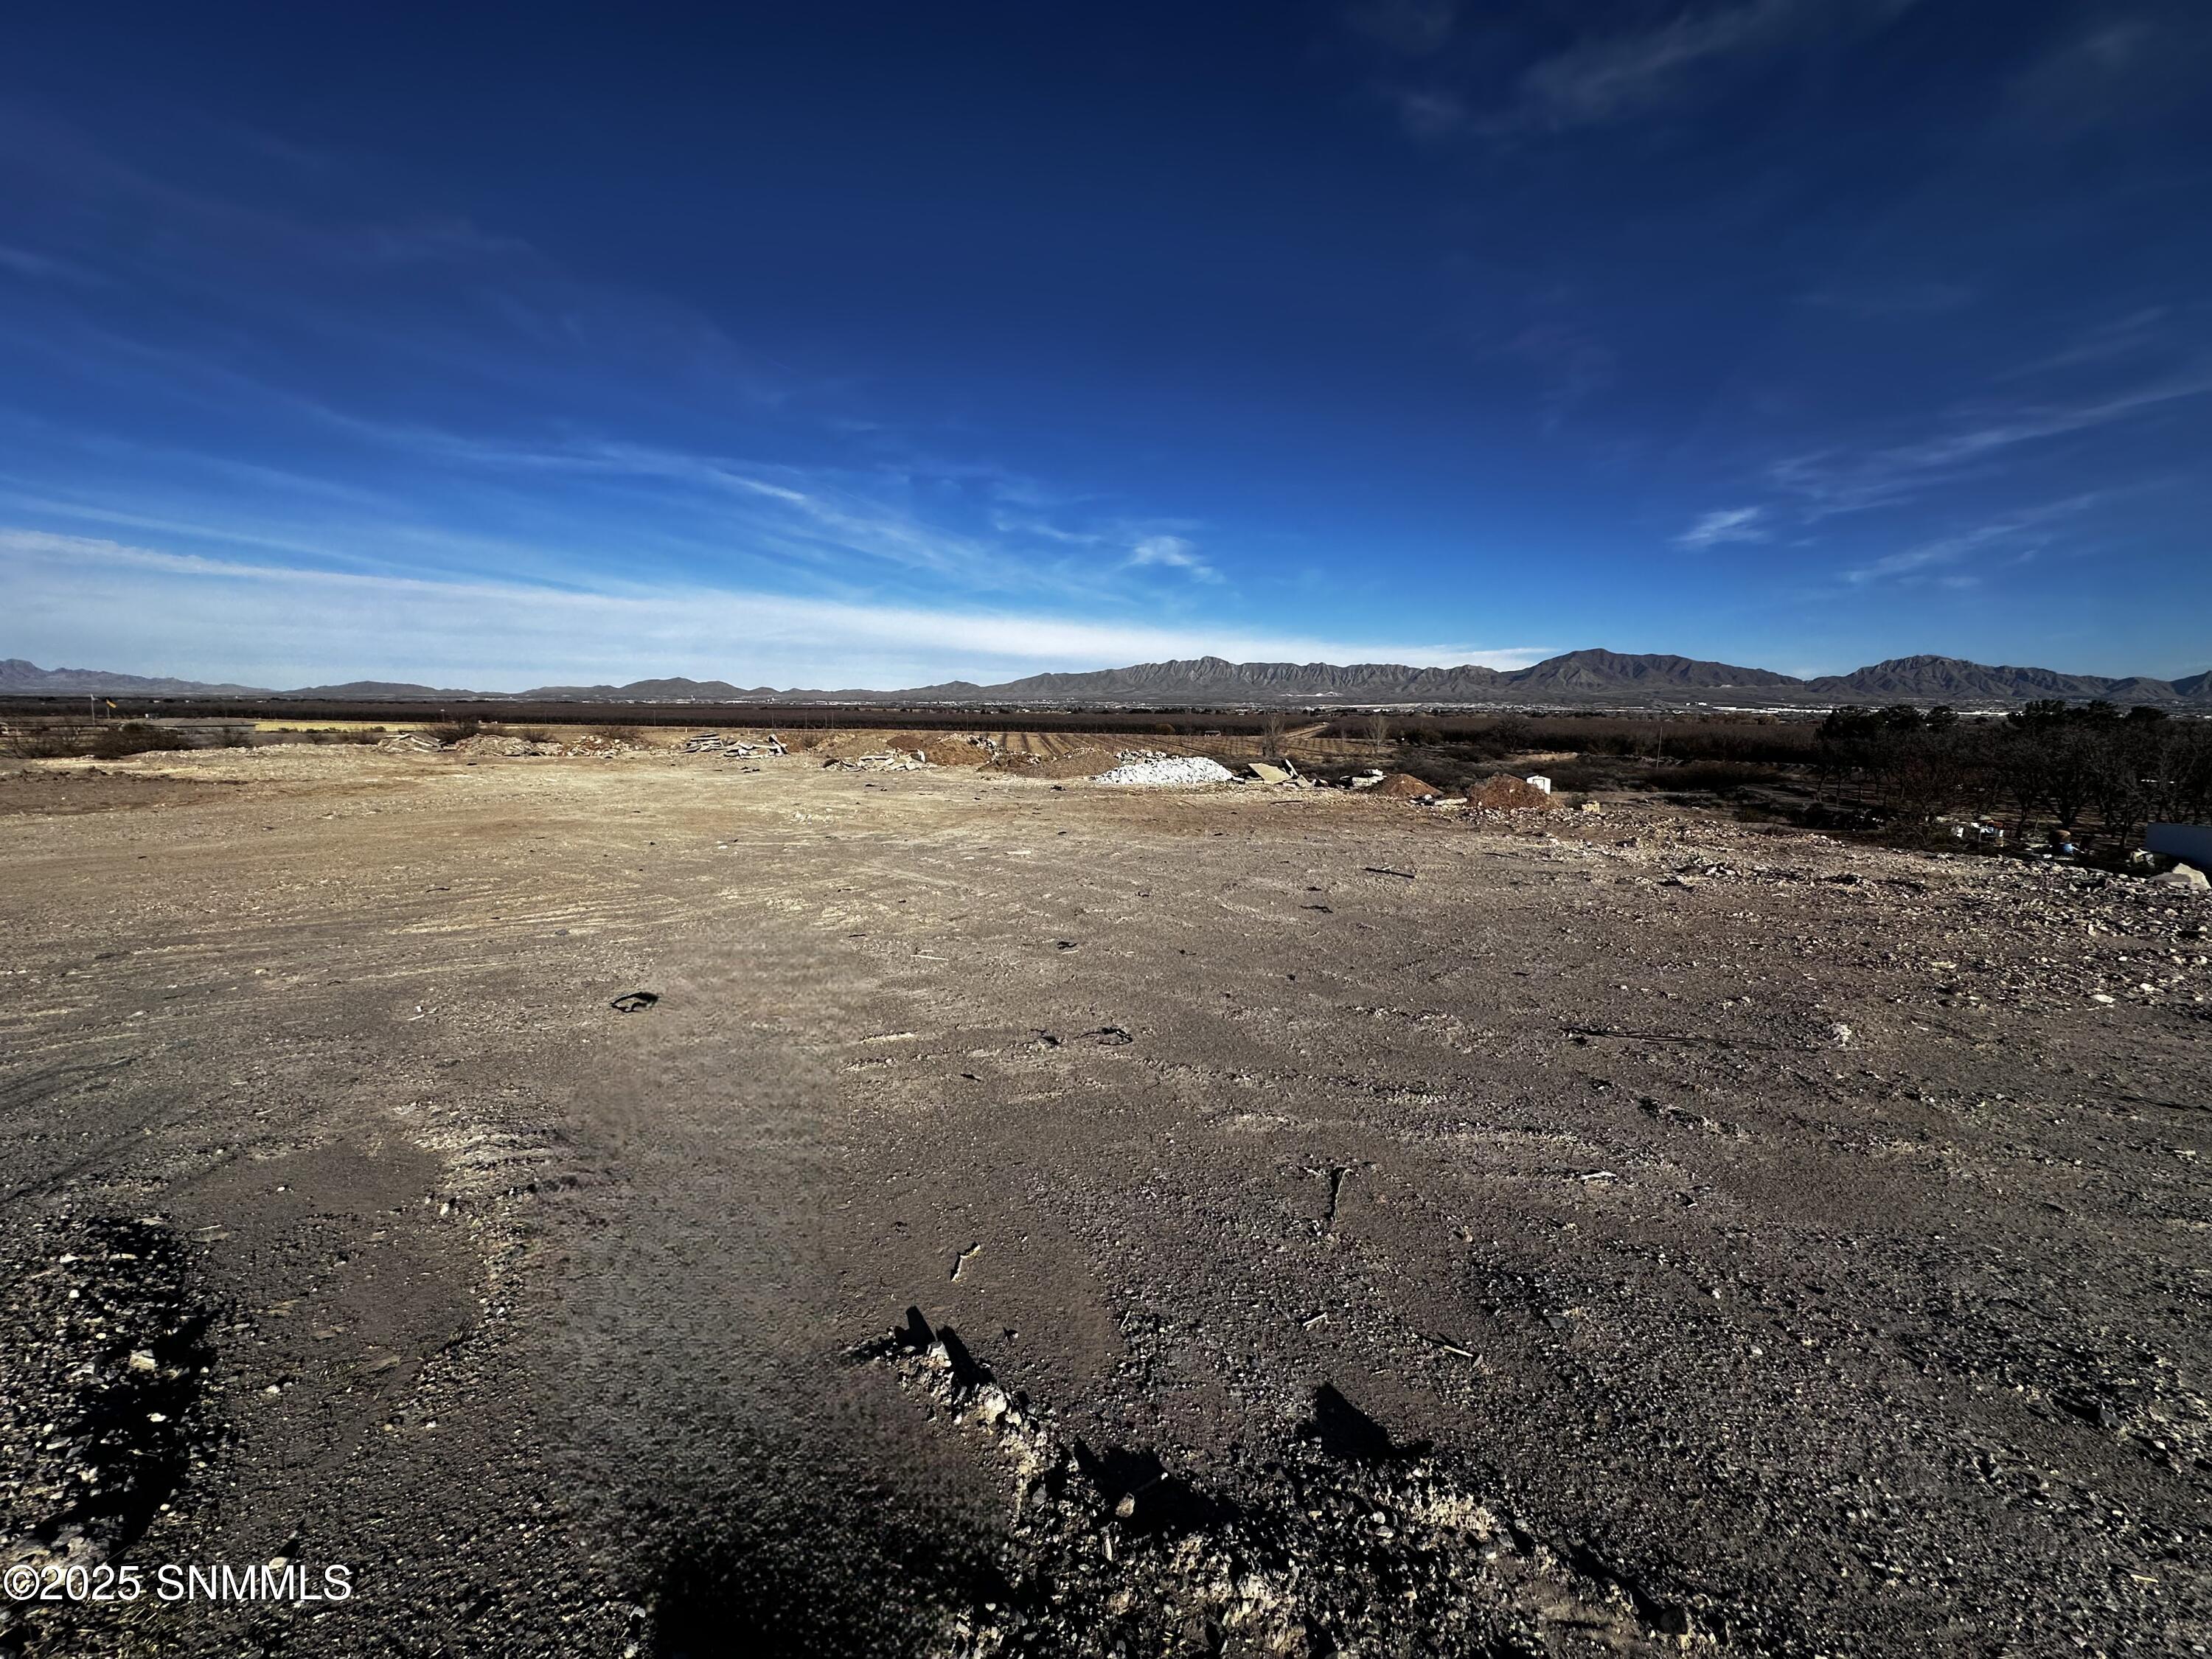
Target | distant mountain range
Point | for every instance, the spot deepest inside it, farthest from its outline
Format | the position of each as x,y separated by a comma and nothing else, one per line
19,678
1580,677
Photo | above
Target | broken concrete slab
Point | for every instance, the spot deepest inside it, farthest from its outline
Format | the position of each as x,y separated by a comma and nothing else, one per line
2187,876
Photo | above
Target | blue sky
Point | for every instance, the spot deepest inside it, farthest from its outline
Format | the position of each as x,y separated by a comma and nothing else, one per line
834,345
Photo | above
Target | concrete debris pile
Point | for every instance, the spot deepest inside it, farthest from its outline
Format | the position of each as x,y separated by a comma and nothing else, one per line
1338,1534
889,760
1151,770
594,743
1502,794
714,743
497,742
506,744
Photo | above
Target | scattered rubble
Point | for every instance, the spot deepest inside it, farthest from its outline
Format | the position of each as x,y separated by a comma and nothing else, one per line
505,745
717,743
500,743
596,742
1339,1538
888,760
102,1412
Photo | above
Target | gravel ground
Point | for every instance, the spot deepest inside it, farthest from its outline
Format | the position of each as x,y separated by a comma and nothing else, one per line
1044,1219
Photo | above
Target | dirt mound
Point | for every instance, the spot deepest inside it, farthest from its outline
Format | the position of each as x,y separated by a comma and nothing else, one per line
1507,794
956,752
1075,763
937,747
1403,786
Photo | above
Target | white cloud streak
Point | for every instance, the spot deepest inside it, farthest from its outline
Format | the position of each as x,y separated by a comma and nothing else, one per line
88,602
1836,479
1176,553
1611,77
1727,524
2018,538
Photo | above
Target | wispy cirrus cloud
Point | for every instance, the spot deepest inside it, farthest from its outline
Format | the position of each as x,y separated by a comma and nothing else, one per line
543,382
1173,553
2125,369
1608,77
1974,438
2016,538
2121,64
1725,524
846,513
45,267
92,600
1925,298
1603,76
399,286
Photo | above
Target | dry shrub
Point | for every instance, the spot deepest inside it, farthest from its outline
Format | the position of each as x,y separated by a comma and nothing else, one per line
44,743
135,738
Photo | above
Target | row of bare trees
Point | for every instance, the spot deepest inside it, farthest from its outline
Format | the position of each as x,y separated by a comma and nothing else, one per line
2089,770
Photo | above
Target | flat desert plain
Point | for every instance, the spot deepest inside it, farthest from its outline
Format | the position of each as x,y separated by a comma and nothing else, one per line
1041,1218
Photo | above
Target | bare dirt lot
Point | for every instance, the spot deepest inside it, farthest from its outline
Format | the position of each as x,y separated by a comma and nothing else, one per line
1332,1226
